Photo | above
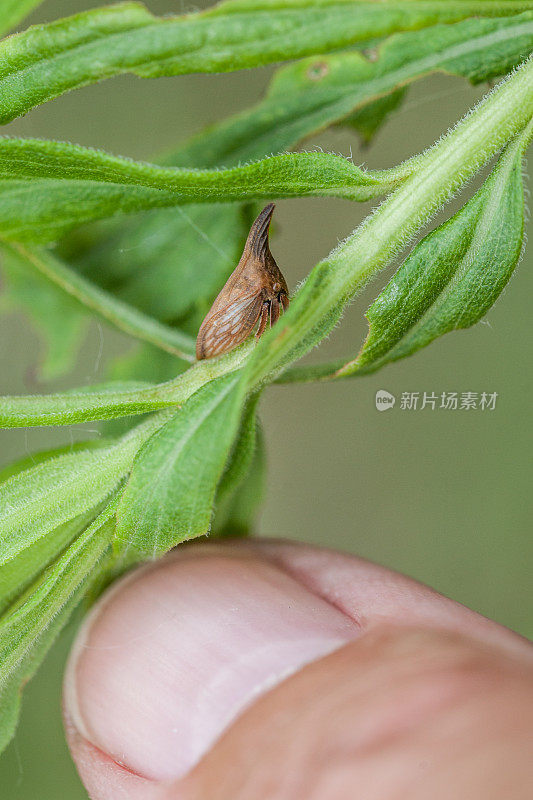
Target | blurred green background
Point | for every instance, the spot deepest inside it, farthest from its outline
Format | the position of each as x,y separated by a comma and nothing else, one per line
444,496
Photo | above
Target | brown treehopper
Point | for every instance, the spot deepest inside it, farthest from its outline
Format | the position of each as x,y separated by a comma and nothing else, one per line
254,292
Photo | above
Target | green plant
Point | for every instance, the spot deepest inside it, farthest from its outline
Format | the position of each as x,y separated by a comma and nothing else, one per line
73,519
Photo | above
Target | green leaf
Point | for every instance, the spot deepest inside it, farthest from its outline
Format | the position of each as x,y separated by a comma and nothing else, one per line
146,362
35,609
115,399
90,296
49,187
45,455
371,116
451,278
237,509
59,319
49,60
241,455
244,505
138,258
454,275
35,502
83,405
170,492
11,689
18,572
319,303
309,95
170,282
443,169
13,11
29,626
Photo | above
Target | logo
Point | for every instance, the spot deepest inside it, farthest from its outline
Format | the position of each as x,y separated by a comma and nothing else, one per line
384,400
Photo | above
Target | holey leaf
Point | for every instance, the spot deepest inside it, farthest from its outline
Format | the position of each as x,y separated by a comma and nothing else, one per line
454,275
35,502
46,61
169,495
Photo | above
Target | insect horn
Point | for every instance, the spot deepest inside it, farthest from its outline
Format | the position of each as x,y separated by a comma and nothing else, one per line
257,241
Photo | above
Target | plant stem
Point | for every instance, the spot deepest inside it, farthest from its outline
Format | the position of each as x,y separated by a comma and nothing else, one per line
122,315
443,169
351,367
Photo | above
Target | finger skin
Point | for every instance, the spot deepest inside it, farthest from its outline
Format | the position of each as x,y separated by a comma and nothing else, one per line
404,714
431,700
369,593
102,776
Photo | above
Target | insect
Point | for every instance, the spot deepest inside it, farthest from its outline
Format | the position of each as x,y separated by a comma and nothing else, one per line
255,291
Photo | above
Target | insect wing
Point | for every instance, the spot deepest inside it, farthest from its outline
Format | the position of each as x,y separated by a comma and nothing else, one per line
230,325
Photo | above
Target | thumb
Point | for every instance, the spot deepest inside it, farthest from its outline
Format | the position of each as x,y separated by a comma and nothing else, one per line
177,651
174,652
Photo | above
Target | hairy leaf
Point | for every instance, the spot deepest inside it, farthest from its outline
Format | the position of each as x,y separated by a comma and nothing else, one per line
92,403
241,455
236,511
33,459
170,492
13,11
37,501
48,187
454,275
450,280
18,572
11,689
46,61
140,258
318,304
29,626
24,620
116,399
313,93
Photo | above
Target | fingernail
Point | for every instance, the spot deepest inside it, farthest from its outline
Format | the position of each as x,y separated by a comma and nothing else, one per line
173,654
